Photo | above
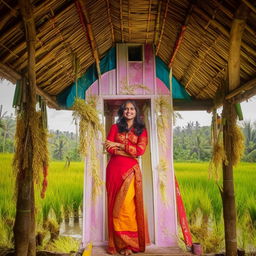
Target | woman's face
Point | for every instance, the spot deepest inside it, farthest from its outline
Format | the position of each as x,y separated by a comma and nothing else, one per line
129,111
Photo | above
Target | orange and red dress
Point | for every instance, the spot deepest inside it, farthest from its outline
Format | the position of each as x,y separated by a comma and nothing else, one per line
126,221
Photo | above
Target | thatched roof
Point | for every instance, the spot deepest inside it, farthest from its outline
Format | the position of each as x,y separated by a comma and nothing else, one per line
87,29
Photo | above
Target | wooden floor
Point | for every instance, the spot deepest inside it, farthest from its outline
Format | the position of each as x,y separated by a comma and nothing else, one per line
151,251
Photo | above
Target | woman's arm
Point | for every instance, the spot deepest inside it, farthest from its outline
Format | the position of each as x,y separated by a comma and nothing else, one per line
139,148
110,143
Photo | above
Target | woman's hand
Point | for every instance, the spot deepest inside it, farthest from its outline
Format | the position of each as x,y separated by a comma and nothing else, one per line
110,144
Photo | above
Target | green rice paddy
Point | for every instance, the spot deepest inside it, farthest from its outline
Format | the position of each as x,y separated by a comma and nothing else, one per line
200,194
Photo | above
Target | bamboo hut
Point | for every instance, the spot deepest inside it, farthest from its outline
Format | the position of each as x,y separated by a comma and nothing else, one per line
58,48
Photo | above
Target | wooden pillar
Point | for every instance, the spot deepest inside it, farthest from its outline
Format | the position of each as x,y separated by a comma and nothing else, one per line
229,114
24,227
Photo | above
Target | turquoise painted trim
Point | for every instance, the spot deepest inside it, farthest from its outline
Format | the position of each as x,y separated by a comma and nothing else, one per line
162,72
67,97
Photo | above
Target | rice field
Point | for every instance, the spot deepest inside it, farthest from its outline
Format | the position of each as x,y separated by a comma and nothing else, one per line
200,194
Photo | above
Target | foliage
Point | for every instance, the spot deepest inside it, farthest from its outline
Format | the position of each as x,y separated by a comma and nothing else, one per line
90,128
203,204
201,198
7,130
249,129
192,142
64,244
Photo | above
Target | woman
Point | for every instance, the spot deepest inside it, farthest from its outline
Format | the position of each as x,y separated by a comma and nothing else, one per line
125,142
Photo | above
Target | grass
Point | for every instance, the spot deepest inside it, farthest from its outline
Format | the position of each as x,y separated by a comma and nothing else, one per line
201,198
65,188
200,194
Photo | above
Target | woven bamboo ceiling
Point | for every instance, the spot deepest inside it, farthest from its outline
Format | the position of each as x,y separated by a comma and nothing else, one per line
87,29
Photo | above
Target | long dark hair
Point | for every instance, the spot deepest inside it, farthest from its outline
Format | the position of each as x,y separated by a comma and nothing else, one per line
138,124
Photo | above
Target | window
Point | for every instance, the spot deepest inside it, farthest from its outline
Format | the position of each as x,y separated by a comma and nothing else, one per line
135,53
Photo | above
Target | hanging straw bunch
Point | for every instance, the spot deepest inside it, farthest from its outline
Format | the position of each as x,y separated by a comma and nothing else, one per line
237,143
162,175
90,124
164,113
89,129
38,135
218,152
218,157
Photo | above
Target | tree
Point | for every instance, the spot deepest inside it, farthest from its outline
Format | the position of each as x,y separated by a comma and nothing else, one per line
8,127
249,130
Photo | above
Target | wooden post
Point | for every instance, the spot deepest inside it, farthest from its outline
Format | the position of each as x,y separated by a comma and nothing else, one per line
24,227
228,195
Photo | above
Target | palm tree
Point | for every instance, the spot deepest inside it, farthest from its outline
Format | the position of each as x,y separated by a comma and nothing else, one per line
59,144
250,135
2,115
8,125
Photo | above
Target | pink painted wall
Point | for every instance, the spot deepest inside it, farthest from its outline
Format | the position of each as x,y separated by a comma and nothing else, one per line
112,84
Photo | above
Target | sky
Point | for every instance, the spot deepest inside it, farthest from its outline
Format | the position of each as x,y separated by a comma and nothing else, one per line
62,119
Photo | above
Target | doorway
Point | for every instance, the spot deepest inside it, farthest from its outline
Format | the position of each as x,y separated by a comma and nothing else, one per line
110,117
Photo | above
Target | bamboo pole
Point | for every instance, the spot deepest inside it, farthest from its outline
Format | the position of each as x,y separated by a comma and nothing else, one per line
24,227
228,194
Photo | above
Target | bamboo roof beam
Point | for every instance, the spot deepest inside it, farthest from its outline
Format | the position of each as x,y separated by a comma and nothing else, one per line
9,73
249,5
242,89
17,27
220,72
246,95
148,20
84,18
162,29
13,76
222,29
231,16
129,27
5,18
12,30
110,21
201,61
181,35
157,22
121,20
192,105
40,48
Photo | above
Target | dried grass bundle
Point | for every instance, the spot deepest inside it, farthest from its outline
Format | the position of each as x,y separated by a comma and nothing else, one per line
237,144
39,153
130,89
89,129
218,157
89,123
